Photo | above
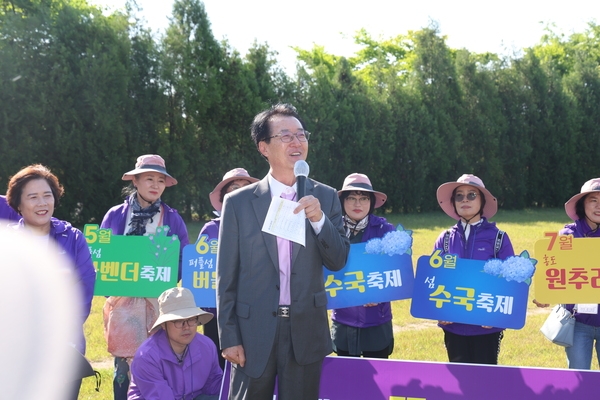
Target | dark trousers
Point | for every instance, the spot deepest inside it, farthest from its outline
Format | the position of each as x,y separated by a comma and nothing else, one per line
294,381
478,349
385,353
121,378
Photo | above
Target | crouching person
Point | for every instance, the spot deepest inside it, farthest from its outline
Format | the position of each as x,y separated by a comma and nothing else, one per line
176,362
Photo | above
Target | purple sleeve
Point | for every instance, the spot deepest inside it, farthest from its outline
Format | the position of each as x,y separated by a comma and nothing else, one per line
86,272
213,382
6,211
568,230
176,226
439,243
506,250
210,229
114,219
387,227
148,380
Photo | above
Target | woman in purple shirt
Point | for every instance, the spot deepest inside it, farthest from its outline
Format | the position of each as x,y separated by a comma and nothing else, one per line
34,192
127,320
473,237
584,209
363,330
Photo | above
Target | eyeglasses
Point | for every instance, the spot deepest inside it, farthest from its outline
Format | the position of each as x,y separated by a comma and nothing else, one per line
191,322
363,200
460,197
287,136
235,186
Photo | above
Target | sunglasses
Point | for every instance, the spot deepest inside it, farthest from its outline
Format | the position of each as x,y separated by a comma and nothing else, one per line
460,197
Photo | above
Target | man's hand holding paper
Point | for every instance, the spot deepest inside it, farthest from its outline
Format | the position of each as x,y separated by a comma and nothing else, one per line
311,207
282,220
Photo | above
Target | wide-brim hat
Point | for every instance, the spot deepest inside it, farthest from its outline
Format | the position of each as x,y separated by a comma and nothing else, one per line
593,185
178,303
361,183
444,196
147,163
233,175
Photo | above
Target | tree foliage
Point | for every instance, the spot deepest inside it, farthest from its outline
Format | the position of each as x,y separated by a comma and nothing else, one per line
86,93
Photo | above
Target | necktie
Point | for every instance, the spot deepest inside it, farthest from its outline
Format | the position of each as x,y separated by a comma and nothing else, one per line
284,253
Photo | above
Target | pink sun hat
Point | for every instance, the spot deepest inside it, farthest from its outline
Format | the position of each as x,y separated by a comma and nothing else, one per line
233,175
362,183
593,185
444,196
147,163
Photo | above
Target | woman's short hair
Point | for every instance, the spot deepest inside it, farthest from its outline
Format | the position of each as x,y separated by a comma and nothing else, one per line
580,207
20,179
347,193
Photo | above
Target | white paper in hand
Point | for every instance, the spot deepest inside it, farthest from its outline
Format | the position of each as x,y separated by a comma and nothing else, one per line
281,221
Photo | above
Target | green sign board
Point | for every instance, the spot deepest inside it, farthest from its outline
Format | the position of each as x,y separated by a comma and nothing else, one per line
133,266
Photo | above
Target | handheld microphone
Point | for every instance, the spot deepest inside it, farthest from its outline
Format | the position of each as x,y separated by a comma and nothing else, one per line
301,170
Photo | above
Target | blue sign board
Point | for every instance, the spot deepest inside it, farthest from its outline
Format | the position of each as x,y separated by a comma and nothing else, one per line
369,278
371,275
449,288
199,271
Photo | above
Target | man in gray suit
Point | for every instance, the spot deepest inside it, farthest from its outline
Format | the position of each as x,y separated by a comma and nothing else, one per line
272,305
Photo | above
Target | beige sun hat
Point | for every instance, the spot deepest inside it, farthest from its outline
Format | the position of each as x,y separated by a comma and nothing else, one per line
147,163
178,303
593,185
444,196
233,175
362,183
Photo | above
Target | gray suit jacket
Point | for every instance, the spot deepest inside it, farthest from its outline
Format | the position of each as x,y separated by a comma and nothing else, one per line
248,277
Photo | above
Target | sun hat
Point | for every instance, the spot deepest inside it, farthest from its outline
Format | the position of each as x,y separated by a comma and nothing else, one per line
593,185
147,163
233,175
444,196
361,183
178,303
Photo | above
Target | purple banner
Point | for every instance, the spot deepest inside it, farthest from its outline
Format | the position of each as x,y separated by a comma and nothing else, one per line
361,378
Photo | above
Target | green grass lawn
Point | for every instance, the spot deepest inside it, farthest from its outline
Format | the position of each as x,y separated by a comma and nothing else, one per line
415,339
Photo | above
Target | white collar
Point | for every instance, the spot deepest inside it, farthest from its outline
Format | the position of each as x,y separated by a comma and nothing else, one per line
464,224
277,188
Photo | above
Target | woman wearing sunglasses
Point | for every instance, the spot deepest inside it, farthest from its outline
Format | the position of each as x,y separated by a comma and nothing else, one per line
473,237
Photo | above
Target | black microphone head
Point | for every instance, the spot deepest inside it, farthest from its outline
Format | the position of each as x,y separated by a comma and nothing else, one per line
301,168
